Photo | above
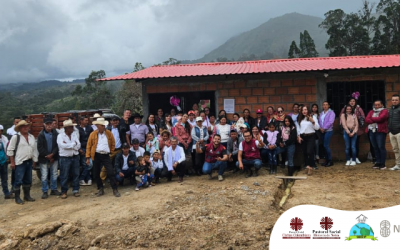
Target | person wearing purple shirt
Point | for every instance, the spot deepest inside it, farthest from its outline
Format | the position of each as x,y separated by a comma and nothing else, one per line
137,130
326,120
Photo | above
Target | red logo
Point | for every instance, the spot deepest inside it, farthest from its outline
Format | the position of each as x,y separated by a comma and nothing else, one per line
296,224
326,223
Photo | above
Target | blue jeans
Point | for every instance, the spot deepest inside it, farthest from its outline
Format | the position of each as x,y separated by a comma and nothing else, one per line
144,179
4,178
220,165
44,170
326,140
69,165
378,141
350,143
23,175
272,157
290,150
129,174
247,164
85,175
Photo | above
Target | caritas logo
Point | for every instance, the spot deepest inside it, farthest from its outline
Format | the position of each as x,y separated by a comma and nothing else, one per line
296,224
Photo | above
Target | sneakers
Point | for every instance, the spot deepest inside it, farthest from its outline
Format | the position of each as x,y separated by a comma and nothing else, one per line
353,163
89,183
358,161
376,166
220,178
55,192
137,189
348,163
116,193
77,194
82,183
382,167
395,168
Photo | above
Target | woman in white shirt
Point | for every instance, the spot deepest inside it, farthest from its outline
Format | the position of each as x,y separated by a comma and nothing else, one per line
223,130
306,126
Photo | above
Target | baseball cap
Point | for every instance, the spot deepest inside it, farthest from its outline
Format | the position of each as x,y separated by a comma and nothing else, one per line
259,111
1,127
156,151
48,120
135,141
199,119
191,112
125,145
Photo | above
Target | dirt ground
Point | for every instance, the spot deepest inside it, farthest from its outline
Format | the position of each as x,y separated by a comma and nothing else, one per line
238,213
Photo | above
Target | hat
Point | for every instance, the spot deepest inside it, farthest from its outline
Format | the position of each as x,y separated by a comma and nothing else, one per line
48,120
191,112
125,145
97,115
100,121
199,119
137,115
165,131
259,111
1,127
21,123
156,151
68,123
242,126
135,141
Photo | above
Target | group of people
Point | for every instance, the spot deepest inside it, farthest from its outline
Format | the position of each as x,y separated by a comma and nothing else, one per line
127,149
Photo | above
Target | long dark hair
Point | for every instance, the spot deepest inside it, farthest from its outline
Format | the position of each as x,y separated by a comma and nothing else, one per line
147,121
187,125
249,113
315,105
290,119
301,116
165,120
345,110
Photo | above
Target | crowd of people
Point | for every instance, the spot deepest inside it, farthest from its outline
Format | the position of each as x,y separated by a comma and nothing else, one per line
127,150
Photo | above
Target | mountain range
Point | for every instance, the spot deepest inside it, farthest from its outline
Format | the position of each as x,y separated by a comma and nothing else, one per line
271,39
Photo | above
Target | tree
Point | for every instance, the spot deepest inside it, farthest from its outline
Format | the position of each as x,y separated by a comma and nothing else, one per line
387,28
294,51
307,47
138,67
170,61
94,94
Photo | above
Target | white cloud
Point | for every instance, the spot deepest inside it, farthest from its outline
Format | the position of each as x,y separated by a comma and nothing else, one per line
47,39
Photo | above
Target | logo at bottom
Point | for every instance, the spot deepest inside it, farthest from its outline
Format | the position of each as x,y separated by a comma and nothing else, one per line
361,230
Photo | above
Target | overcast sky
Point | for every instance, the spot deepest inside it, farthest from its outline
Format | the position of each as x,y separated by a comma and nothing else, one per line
57,39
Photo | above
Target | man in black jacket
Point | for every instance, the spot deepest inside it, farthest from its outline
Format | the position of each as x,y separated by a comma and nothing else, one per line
125,164
394,129
48,157
84,131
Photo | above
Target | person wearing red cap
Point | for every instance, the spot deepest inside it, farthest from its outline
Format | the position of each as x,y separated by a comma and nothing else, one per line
261,120
192,120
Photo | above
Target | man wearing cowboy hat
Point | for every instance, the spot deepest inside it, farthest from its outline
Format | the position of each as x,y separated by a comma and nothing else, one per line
94,118
100,145
48,157
4,160
22,150
137,130
69,145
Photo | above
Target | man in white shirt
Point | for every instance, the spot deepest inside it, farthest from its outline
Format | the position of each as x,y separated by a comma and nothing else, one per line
11,131
139,151
175,160
69,145
100,145
4,160
22,150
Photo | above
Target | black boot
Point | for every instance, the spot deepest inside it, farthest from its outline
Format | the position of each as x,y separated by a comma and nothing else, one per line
271,169
290,171
27,194
17,193
274,168
249,173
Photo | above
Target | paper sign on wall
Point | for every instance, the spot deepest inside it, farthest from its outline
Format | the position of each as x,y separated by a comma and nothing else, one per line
229,106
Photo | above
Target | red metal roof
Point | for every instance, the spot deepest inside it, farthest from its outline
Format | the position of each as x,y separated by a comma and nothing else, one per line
263,66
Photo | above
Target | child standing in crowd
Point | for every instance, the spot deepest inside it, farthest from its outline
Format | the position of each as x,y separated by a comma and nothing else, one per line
151,143
142,172
286,142
164,142
192,120
349,122
270,139
156,165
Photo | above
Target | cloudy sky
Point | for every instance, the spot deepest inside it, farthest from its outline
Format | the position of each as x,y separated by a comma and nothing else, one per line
60,39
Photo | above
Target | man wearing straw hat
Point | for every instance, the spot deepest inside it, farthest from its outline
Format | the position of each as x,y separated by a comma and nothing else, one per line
69,145
100,145
94,118
22,150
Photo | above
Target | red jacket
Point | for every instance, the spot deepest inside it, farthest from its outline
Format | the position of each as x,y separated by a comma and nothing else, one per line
381,120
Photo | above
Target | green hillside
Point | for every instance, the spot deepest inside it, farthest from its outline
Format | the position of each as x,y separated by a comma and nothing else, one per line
271,38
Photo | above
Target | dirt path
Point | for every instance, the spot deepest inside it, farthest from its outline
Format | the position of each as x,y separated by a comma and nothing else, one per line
200,214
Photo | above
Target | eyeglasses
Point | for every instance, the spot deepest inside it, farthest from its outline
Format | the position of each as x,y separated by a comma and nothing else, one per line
280,111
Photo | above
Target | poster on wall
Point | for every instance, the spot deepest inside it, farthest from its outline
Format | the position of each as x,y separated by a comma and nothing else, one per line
229,106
